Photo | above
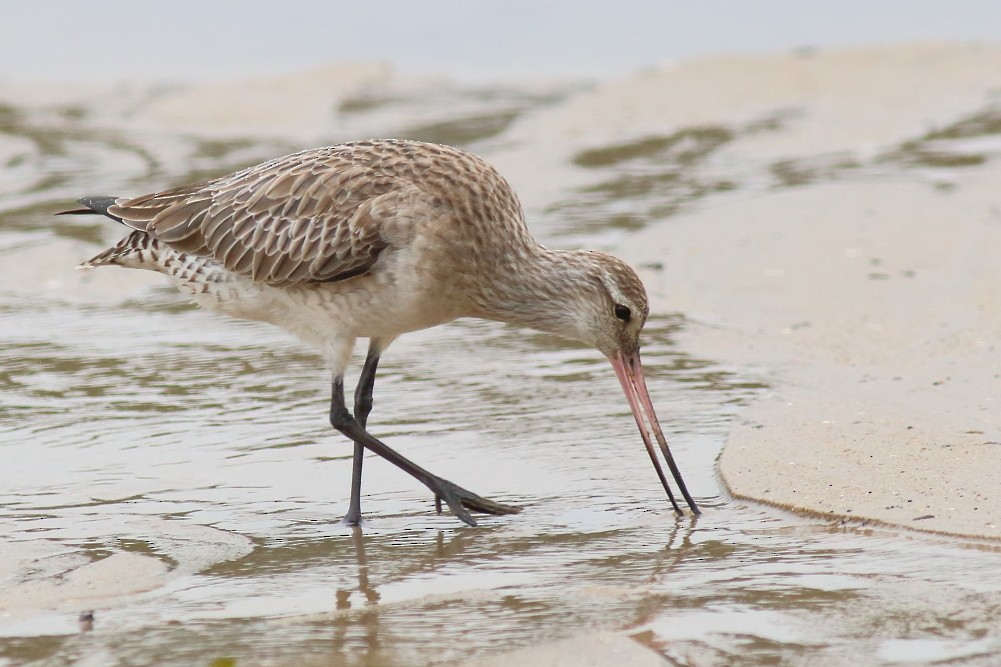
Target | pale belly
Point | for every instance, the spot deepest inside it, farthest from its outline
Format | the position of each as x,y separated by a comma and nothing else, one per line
391,300
327,316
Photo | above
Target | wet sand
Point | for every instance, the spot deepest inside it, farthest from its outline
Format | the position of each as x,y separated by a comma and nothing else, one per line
859,276
872,309
870,304
878,333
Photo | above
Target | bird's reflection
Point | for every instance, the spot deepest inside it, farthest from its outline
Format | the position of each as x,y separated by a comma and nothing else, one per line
444,549
363,625
365,587
358,540
368,620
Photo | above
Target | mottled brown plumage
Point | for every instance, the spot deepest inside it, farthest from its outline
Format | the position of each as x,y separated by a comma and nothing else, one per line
318,215
374,239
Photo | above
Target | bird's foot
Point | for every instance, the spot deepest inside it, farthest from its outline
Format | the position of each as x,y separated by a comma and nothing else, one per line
352,519
460,501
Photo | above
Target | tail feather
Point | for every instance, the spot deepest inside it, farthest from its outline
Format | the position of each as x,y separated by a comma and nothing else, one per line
76,211
93,205
135,242
109,256
113,255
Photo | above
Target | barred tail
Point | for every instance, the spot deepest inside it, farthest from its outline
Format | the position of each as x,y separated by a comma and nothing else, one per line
133,244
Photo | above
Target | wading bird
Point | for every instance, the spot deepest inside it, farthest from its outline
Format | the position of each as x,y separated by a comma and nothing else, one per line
374,239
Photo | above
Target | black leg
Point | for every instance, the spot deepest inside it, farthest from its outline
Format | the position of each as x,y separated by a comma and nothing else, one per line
458,499
363,406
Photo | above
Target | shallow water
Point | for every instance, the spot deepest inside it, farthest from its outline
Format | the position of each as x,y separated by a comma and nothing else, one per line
131,423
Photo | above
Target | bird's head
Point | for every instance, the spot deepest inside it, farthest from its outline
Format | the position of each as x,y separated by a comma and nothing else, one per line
596,299
610,316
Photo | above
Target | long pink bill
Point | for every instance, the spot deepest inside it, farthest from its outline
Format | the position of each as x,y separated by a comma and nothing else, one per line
629,370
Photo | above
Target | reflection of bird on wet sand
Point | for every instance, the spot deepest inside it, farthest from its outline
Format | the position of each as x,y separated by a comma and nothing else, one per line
372,240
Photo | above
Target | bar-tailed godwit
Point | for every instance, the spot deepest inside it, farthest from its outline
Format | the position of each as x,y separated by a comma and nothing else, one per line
374,239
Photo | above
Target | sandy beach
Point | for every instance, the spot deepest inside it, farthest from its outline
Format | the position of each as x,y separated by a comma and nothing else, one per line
860,279
870,307
877,335
819,232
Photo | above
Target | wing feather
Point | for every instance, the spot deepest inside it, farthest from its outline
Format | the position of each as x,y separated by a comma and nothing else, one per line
318,215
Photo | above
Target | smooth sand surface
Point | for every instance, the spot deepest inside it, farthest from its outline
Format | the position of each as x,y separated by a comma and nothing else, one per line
878,333
597,649
855,266
870,302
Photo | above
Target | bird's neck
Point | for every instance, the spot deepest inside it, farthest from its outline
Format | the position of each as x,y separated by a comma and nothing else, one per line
539,289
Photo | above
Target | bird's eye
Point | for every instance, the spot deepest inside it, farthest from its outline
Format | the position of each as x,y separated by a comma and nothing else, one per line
623,312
